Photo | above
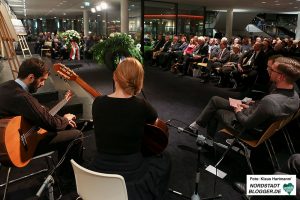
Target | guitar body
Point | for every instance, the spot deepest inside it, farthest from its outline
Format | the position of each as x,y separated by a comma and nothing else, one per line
12,151
156,138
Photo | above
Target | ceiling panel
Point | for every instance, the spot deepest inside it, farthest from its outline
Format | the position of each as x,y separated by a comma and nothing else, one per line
39,8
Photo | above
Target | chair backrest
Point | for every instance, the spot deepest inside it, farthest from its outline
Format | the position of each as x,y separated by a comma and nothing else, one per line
271,130
98,186
297,114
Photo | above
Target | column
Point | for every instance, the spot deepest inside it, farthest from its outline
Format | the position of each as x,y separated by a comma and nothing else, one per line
85,22
229,19
72,24
124,16
298,28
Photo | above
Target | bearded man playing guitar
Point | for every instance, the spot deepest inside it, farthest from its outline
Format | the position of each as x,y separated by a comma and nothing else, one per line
16,100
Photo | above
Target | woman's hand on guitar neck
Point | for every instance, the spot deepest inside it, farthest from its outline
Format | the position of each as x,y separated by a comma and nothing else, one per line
71,119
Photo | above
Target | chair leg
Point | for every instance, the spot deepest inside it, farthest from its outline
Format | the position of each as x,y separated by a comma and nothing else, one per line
247,156
226,152
272,154
6,183
288,141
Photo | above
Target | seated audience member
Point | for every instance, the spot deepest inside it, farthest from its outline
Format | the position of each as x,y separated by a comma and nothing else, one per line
231,65
267,48
176,54
246,45
281,102
90,42
199,52
165,57
220,59
213,48
16,100
164,48
251,67
119,146
55,51
292,167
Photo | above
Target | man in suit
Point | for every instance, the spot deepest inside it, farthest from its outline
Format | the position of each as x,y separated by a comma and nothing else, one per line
252,67
16,100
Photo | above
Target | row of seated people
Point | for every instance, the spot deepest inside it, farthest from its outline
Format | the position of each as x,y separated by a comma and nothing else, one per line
56,48
239,64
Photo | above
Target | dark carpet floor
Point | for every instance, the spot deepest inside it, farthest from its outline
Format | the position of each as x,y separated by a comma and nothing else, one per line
180,98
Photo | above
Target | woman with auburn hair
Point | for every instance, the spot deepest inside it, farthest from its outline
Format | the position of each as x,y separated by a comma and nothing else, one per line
119,120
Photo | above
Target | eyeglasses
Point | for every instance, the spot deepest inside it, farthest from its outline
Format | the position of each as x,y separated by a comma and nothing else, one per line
272,70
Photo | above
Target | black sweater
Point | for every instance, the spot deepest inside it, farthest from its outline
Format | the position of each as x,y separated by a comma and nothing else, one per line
119,124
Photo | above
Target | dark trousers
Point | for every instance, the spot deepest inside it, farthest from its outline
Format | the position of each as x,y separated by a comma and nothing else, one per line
59,141
216,115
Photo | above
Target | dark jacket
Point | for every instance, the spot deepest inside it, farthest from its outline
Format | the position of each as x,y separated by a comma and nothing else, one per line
15,101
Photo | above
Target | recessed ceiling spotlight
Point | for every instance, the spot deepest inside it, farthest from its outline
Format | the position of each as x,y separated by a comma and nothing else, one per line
296,7
81,6
263,2
276,1
291,3
277,4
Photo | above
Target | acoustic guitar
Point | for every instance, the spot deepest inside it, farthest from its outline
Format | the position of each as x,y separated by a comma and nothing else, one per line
156,135
19,139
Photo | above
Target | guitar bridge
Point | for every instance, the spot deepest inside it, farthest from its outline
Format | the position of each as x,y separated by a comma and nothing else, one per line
23,140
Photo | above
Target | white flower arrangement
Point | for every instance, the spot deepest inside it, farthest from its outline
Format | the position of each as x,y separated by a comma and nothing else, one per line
70,35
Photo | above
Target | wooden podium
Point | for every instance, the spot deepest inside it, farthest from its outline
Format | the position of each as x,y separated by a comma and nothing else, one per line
7,38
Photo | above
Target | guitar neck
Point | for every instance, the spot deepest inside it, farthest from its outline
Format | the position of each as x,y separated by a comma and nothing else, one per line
87,87
58,106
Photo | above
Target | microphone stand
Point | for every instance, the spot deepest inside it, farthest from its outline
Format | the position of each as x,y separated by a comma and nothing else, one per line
49,181
199,143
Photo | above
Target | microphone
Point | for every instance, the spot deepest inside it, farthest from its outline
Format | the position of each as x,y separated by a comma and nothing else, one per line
48,180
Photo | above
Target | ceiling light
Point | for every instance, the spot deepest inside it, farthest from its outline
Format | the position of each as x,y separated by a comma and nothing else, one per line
81,6
15,5
277,4
263,2
103,5
86,3
93,10
98,8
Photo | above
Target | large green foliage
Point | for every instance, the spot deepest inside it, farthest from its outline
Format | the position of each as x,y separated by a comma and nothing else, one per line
116,46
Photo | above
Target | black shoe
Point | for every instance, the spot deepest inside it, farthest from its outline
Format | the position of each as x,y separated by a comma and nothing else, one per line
241,187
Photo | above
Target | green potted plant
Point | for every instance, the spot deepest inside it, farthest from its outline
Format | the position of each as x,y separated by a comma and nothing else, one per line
114,48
